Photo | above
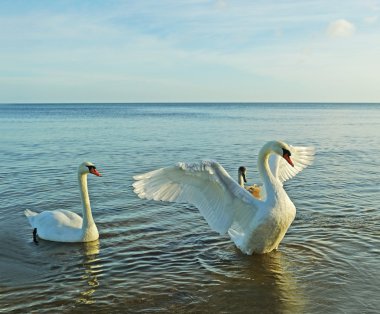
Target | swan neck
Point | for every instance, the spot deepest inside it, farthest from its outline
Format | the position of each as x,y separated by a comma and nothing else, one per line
87,214
241,180
265,172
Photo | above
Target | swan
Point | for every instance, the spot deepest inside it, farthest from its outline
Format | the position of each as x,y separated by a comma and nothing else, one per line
255,189
254,225
64,225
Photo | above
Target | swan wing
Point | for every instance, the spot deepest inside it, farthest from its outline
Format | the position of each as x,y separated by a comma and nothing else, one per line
206,185
301,157
54,219
56,225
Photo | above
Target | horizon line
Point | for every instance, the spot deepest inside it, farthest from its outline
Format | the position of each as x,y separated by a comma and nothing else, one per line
186,102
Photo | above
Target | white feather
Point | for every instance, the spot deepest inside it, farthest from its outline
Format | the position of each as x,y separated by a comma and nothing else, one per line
66,226
206,185
254,225
301,157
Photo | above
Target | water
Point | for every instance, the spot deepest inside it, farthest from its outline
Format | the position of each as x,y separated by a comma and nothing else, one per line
160,257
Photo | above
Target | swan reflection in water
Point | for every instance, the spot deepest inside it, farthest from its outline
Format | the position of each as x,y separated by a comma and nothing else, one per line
92,268
259,281
276,270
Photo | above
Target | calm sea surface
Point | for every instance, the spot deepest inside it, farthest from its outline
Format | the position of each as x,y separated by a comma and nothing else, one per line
161,257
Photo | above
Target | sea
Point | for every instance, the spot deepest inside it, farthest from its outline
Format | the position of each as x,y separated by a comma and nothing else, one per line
157,257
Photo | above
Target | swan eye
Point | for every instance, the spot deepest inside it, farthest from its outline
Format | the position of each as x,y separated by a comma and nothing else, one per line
91,168
286,152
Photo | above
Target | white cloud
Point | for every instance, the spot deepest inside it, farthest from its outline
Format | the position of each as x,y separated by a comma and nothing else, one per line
221,4
199,51
371,19
341,28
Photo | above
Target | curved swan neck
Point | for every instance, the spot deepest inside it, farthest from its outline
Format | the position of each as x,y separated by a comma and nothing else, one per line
240,180
264,169
87,214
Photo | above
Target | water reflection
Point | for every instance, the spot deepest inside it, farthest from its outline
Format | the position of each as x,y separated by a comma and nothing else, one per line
259,281
275,272
152,254
92,268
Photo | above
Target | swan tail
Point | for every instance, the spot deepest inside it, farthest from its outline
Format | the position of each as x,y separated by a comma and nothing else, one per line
30,215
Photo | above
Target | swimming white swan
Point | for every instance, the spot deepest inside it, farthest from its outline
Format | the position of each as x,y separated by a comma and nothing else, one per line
64,225
255,189
255,226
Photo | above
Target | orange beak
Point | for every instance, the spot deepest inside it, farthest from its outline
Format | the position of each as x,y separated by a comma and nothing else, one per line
287,158
95,172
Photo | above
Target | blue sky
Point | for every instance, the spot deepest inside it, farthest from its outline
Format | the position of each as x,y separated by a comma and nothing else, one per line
190,50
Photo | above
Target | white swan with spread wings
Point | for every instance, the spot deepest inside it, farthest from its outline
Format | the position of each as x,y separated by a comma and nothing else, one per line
255,226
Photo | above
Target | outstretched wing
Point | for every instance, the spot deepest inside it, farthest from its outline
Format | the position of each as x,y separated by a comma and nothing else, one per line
206,185
301,157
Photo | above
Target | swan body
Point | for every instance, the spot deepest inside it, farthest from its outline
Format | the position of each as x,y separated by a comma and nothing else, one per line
254,189
254,225
64,225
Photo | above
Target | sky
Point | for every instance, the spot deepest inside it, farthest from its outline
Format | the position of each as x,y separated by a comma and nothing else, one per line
189,51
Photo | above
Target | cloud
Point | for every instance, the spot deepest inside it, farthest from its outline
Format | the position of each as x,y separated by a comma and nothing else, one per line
221,4
341,28
371,19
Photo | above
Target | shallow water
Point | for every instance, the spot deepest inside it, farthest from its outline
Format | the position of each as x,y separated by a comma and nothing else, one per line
160,257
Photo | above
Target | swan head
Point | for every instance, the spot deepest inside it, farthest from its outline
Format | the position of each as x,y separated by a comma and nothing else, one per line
88,167
282,149
242,171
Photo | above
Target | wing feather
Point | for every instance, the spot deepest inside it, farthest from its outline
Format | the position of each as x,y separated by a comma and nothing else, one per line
206,185
301,157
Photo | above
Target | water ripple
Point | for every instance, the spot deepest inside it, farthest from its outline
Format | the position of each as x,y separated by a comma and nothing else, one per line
158,257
